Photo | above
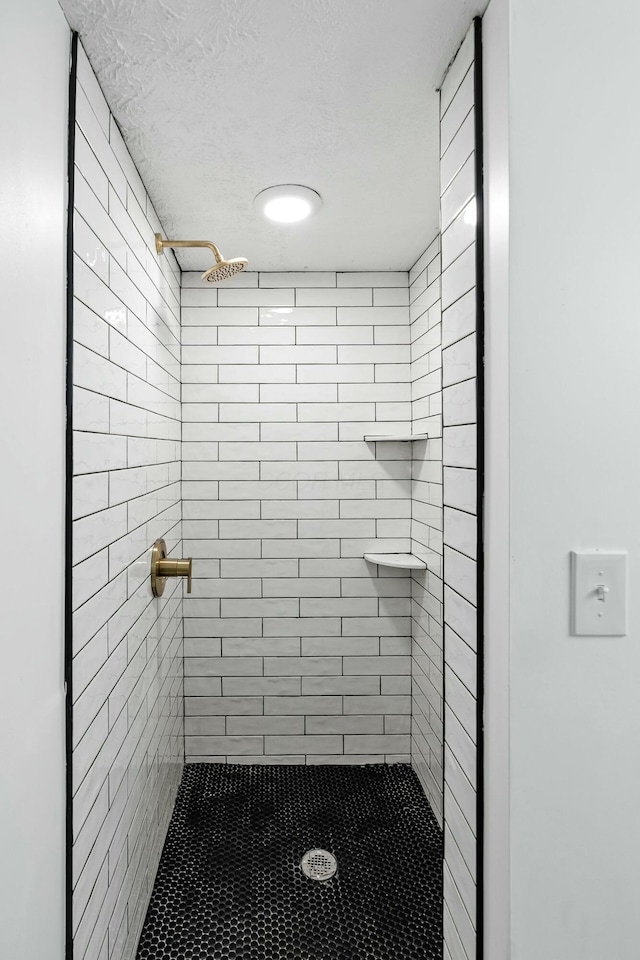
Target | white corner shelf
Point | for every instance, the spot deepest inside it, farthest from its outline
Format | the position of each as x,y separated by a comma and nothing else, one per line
402,437
406,561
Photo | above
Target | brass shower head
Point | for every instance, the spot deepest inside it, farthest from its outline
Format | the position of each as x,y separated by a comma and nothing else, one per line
221,270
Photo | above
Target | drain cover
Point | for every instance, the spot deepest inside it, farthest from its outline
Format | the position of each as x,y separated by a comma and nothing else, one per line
319,865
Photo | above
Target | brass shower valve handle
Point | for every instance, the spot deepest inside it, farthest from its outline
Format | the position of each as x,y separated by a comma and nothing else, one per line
175,568
163,567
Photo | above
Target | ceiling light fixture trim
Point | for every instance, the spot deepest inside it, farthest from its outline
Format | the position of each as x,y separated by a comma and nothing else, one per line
288,202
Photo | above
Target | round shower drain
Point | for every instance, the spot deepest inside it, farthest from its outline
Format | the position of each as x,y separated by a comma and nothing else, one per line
319,865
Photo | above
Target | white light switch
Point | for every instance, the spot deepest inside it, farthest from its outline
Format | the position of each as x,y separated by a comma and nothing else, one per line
598,594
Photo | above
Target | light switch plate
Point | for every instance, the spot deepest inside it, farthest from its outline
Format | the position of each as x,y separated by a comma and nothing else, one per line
598,594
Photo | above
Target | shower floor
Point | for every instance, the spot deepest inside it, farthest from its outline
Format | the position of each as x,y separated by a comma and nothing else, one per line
230,887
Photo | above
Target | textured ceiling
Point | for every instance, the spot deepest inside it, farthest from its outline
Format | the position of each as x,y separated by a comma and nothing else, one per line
218,99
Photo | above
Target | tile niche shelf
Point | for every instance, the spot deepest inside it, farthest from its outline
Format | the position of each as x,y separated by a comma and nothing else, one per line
406,561
397,437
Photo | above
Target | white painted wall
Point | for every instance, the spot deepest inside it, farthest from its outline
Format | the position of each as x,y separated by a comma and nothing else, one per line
495,26
34,62
574,155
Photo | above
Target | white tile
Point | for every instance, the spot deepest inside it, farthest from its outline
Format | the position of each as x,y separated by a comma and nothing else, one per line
424,259
201,374
339,607
397,334
90,410
97,139
314,412
265,725
299,431
123,157
90,493
256,298
460,574
377,626
299,279
459,403
377,353
220,432
194,336
89,576
340,297
238,318
263,490
299,393
90,249
376,744
460,234
203,295
228,746
298,316
221,355
462,660
89,329
396,509
298,354
91,291
391,297
300,509
304,470
460,531
458,108
377,705
460,489
459,319
335,528
266,529
258,335
375,392
344,725
370,315
94,452
457,70
275,373
302,666
381,278
257,451
220,393
459,278
459,361
341,490
303,744
92,91
334,335
460,148
340,686
457,196
220,510
261,686
201,413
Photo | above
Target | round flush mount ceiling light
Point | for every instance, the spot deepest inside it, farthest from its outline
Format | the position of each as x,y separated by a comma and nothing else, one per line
288,202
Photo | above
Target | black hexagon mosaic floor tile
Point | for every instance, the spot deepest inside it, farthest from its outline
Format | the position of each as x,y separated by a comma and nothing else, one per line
230,886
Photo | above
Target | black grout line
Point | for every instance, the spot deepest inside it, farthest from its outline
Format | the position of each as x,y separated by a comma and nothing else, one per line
68,600
480,323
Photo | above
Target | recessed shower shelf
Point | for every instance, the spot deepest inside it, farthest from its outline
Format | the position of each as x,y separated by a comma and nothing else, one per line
402,437
406,561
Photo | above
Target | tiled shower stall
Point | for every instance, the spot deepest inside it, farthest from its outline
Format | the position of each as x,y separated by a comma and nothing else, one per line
231,421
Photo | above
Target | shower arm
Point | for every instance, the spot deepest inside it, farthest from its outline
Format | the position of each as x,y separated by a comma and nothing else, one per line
161,244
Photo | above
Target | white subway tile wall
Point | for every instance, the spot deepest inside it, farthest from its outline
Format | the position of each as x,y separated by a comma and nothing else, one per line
426,525
459,325
127,646
296,649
